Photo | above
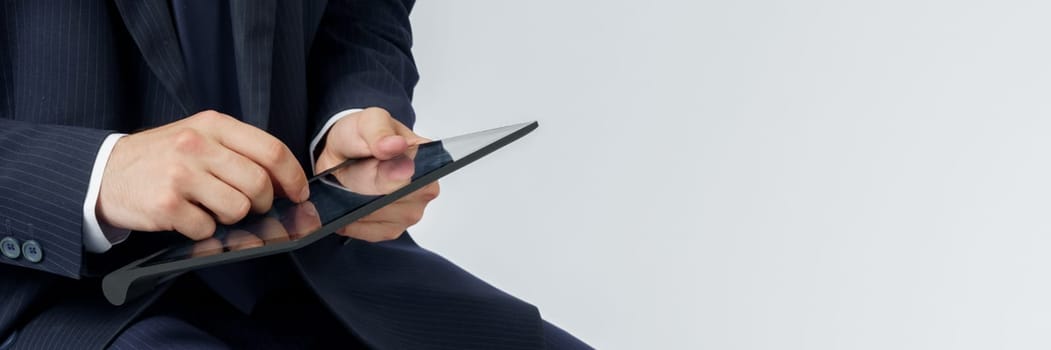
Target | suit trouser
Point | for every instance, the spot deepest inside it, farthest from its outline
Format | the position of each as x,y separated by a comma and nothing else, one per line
167,332
395,294
190,316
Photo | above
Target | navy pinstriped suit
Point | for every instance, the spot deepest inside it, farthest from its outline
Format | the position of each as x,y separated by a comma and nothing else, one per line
74,71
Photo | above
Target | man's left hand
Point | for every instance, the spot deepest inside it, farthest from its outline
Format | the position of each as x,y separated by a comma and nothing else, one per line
374,133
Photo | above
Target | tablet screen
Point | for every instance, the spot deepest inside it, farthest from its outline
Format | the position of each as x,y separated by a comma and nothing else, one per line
333,194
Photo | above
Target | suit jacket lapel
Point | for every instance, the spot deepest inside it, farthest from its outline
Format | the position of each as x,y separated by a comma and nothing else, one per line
253,31
151,27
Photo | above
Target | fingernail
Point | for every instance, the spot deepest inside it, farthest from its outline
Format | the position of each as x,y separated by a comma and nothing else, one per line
305,193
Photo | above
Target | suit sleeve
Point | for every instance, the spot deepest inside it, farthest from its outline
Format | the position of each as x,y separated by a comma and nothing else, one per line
44,175
361,57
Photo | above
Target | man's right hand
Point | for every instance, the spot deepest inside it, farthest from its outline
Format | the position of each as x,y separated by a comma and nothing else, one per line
187,175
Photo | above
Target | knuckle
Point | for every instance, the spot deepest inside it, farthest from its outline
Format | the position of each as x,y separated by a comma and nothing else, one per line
194,235
209,116
431,193
265,203
167,204
376,112
241,207
204,230
274,152
259,181
178,175
374,116
188,141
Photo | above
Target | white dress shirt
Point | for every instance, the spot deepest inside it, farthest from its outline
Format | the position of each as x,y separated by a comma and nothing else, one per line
99,237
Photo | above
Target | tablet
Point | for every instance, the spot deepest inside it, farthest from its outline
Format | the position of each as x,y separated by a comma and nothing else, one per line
338,196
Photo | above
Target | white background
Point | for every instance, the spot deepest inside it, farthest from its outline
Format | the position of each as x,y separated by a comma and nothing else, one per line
753,174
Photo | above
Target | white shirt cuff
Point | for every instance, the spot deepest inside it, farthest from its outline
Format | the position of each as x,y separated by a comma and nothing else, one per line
324,130
98,237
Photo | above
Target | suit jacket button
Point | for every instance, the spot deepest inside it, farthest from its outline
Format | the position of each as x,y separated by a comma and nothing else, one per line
31,251
9,246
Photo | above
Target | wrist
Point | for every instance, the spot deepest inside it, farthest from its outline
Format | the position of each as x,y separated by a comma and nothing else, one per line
98,235
320,142
102,212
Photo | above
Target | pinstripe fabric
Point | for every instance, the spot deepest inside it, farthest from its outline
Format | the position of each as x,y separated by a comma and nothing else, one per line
396,295
82,320
165,332
289,66
20,288
150,24
364,47
253,22
72,71
218,326
48,166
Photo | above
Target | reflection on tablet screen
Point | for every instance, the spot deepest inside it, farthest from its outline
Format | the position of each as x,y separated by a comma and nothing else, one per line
333,194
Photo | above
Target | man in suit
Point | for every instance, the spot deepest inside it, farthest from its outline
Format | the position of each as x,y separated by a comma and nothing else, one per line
122,118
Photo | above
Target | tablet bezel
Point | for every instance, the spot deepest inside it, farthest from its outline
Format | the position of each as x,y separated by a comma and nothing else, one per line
134,280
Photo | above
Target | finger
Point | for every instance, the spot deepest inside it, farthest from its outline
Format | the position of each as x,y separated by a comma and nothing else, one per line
193,222
227,204
270,230
303,220
382,134
241,239
371,176
375,177
422,197
428,193
404,131
394,173
206,247
372,231
417,139
359,176
404,213
413,151
267,151
244,175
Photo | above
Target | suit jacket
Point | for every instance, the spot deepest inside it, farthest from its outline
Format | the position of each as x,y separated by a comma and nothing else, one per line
74,71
